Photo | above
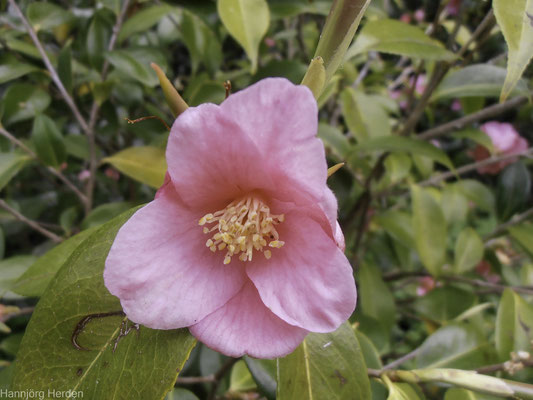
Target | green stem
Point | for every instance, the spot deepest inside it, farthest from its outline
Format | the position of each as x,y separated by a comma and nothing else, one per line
338,32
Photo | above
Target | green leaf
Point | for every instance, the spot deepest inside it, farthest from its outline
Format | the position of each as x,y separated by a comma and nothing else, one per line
104,213
291,8
454,205
523,234
240,379
64,67
514,19
43,15
430,232
463,394
11,269
365,115
478,193
36,278
181,394
479,80
48,141
202,43
334,140
457,345
143,20
146,164
315,77
22,101
134,63
324,366
469,250
514,325
401,391
11,344
403,144
477,136
10,165
514,187
396,37
444,304
11,68
144,365
381,307
399,225
370,353
264,374
98,40
247,21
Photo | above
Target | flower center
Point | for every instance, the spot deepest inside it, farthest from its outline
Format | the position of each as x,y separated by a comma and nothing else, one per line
242,226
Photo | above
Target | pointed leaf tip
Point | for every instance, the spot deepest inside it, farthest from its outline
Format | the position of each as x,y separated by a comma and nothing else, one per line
173,98
315,77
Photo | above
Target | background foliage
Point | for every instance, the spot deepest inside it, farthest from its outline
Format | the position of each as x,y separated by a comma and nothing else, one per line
442,251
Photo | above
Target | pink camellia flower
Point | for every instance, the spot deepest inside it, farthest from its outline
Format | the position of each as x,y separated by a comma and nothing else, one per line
505,139
240,243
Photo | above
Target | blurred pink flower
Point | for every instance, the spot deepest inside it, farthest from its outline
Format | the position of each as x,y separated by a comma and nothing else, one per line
420,15
506,140
453,7
426,285
112,173
456,105
84,175
240,243
420,85
405,17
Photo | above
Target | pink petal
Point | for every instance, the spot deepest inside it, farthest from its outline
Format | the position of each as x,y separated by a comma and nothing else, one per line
308,282
502,134
161,270
245,326
262,138
282,120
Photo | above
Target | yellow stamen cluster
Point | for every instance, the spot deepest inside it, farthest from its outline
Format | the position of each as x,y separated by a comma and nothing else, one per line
241,227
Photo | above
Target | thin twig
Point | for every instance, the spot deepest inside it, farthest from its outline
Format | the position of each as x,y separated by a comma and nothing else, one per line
45,232
55,77
517,219
459,123
52,170
193,380
226,367
473,166
93,164
402,360
440,71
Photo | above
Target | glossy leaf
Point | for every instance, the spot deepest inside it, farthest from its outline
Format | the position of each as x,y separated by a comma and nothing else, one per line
44,15
143,20
11,269
365,116
334,140
514,19
478,193
11,68
523,234
247,21
463,394
36,278
403,144
10,165
396,37
22,101
315,77
202,43
144,364
98,40
475,80
457,345
264,374
402,391
134,63
145,164
454,204
324,366
444,304
399,225
48,141
64,67
430,232
469,250
240,378
381,307
103,213
370,353
514,187
477,136
514,323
